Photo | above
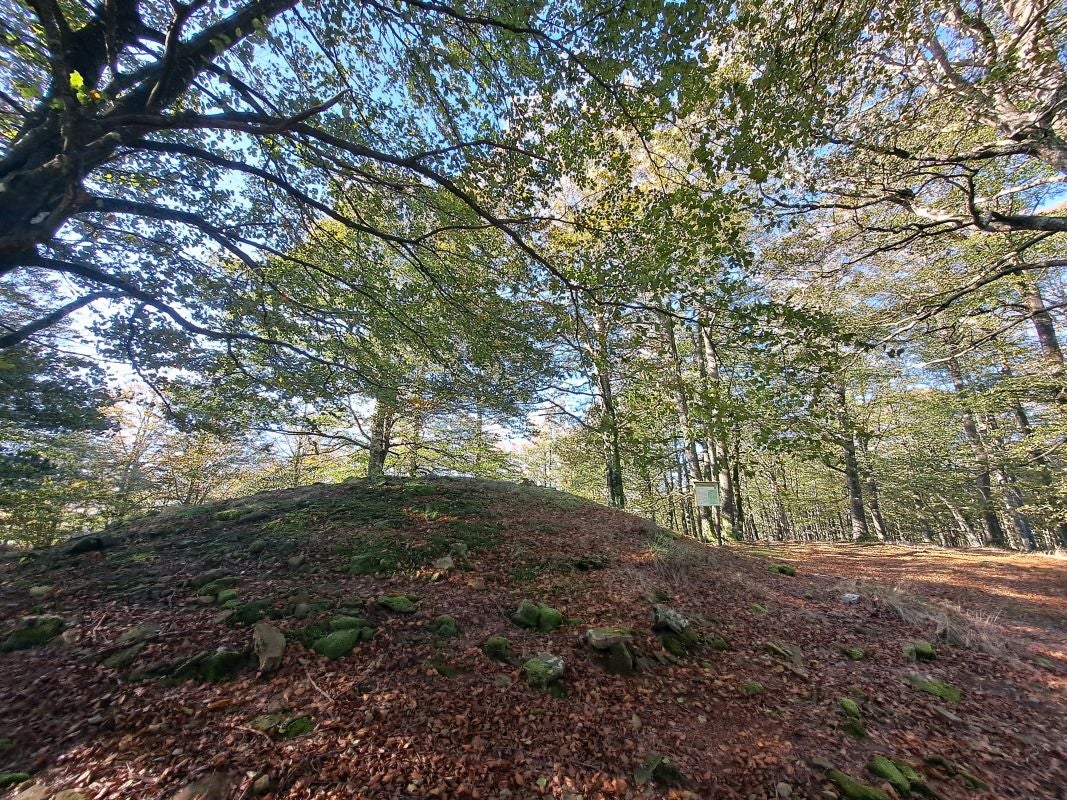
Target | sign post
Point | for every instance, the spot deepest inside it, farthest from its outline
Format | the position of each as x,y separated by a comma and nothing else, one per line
706,493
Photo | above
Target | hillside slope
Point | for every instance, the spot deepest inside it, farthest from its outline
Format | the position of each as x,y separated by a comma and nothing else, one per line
745,702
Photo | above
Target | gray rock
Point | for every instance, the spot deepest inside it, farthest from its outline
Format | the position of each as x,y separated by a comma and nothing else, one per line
667,619
296,561
850,598
123,658
605,638
543,669
138,633
257,547
269,645
445,563
304,610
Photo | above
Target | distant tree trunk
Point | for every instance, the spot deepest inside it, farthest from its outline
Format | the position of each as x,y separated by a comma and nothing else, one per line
782,524
994,533
853,485
685,422
873,496
719,466
964,527
609,423
1045,330
381,429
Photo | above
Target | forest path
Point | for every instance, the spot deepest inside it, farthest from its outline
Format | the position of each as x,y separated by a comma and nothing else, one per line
1023,597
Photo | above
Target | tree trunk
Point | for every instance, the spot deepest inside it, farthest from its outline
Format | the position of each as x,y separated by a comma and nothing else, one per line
1045,330
380,438
609,422
853,485
873,496
994,533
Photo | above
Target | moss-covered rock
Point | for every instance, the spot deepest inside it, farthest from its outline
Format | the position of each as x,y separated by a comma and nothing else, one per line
226,596
337,644
246,614
619,659
853,653
659,769
852,789
946,691
216,586
123,658
920,650
679,644
543,669
718,643
33,632
887,770
347,623
400,603
783,569
854,727
229,514
297,726
970,780
752,688
212,667
497,647
13,778
850,707
372,564
549,619
444,625
257,547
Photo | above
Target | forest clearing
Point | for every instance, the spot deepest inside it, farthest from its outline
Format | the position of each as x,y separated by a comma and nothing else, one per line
781,678
533,398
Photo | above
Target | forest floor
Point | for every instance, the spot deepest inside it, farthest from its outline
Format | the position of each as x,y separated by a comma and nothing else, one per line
130,700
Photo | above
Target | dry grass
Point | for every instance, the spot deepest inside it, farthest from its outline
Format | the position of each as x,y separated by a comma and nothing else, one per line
953,624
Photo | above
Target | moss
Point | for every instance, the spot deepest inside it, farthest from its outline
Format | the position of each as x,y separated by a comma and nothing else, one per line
852,789
497,647
620,660
257,547
679,644
718,643
854,653
970,780
372,564
337,644
33,633
752,688
854,728
346,623
920,650
542,670
549,619
887,770
13,778
759,608
527,615
850,707
216,586
312,633
226,596
229,514
246,614
445,625
946,691
220,665
783,569
297,726
400,603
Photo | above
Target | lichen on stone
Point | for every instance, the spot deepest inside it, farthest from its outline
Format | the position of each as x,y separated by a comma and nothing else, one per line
543,669
400,603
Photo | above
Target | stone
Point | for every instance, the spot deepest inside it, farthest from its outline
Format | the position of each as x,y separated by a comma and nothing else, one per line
226,596
458,551
444,564
920,650
605,638
296,561
783,789
850,598
527,614
752,688
853,653
88,544
245,614
268,643
211,667
659,769
854,728
783,569
945,691
543,669
400,603
620,660
123,658
888,771
497,647
337,644
213,786
205,578
549,619
347,623
228,514
33,632
257,547
852,789
217,585
850,707
948,716
37,792
445,626
263,784
665,618
41,590
138,633
71,794
297,726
